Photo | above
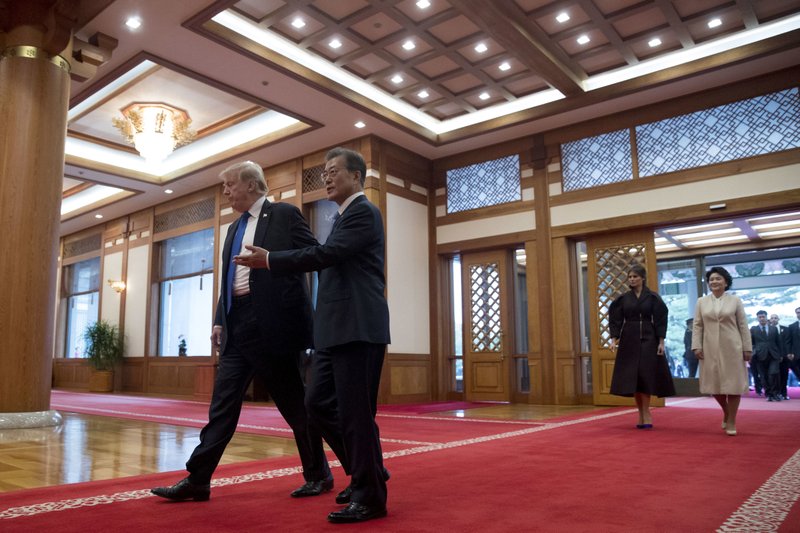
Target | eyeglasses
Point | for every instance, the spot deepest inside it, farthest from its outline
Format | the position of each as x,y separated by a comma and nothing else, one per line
332,172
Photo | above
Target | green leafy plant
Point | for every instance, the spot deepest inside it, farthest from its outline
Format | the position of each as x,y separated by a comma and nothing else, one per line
103,345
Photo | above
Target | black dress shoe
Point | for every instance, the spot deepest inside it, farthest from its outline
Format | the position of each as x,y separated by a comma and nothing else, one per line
355,512
184,490
344,496
313,488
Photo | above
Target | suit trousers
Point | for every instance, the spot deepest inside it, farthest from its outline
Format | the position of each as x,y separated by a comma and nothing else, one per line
244,357
768,372
342,401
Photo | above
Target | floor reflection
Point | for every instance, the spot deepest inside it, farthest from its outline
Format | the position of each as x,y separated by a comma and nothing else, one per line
87,448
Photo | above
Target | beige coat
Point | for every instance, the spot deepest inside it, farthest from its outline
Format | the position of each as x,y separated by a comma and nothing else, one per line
723,336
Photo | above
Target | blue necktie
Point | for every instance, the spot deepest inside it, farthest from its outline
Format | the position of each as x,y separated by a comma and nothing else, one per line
235,247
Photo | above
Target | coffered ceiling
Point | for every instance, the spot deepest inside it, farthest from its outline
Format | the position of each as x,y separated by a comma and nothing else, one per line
271,80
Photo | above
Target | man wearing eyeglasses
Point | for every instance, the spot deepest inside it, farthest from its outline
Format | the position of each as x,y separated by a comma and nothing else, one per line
351,331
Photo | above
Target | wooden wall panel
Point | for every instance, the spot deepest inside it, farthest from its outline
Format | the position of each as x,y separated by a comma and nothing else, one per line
407,379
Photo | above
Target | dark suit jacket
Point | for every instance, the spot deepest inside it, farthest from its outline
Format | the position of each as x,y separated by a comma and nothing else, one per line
281,300
766,347
792,339
351,305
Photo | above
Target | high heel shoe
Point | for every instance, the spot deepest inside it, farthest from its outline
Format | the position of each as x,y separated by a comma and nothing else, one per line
644,426
731,432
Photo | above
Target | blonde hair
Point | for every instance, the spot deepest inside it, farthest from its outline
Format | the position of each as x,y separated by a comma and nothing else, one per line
247,171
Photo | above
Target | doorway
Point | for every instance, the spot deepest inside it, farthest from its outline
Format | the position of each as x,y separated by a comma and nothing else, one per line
488,328
609,257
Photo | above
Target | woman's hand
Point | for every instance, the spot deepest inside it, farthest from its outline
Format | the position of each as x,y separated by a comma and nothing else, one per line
660,350
614,343
747,355
698,354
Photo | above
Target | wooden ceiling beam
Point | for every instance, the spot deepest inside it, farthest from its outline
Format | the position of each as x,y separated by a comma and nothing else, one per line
507,25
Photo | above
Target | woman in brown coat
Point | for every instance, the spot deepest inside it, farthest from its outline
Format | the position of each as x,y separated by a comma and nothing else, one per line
721,340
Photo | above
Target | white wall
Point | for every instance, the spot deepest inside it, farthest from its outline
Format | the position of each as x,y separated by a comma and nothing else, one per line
136,301
710,191
407,279
109,298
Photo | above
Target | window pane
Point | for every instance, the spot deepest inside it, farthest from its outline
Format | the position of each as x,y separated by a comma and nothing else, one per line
678,287
82,310
187,254
489,183
84,276
761,125
185,314
458,325
596,161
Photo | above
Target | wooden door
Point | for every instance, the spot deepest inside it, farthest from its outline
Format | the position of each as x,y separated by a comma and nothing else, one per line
486,294
608,261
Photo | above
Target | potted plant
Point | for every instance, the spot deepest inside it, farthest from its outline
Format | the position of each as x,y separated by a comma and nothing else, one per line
103,351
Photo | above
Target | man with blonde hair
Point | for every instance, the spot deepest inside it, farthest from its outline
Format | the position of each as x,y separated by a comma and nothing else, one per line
262,324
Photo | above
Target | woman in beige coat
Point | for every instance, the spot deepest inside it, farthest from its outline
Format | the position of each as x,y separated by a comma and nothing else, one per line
721,341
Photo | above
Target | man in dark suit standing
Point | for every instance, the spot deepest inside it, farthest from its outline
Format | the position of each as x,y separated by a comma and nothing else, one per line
262,323
793,345
767,355
351,331
783,369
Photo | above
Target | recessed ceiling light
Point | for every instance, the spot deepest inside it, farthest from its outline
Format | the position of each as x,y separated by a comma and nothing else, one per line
713,23
298,23
504,66
481,48
562,18
654,42
336,43
483,96
98,215
133,23
423,4
168,191
423,94
583,39
397,78
359,124
409,45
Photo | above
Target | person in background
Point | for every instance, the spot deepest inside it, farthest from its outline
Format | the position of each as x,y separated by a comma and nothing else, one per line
793,345
638,327
783,369
721,341
767,355
689,359
351,331
262,324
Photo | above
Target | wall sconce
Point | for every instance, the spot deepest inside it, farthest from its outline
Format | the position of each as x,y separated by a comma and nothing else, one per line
117,285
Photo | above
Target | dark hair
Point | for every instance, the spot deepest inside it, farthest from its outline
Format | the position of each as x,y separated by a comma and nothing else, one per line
722,272
761,312
639,270
352,160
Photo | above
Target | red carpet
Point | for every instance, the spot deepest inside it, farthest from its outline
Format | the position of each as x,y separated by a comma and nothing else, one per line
397,429
593,474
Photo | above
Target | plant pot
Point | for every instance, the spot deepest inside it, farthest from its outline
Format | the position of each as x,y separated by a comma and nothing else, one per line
101,381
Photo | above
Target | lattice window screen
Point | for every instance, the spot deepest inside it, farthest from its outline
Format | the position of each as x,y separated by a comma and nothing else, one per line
613,265
312,178
184,216
83,246
486,333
